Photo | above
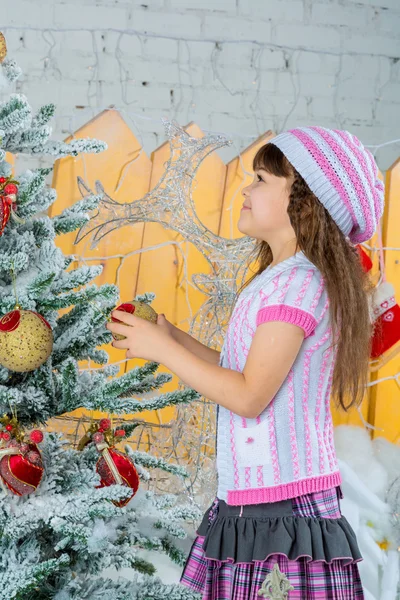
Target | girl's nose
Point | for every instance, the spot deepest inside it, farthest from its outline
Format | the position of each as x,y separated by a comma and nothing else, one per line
245,191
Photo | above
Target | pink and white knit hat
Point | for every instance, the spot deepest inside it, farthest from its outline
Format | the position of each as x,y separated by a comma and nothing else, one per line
341,173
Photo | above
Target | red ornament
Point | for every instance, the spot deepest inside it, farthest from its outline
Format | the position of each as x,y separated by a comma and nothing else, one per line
10,188
105,424
21,474
8,196
6,436
36,436
120,433
9,427
115,467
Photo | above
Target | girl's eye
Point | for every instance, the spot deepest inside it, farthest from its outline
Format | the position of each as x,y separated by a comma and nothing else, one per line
259,178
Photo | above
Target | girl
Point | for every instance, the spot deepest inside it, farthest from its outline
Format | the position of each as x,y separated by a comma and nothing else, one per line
299,333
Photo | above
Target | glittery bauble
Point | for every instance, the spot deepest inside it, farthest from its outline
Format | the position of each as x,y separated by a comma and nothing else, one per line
22,474
26,340
113,465
140,309
98,437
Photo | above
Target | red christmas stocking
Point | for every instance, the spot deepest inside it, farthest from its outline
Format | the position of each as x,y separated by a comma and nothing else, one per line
386,314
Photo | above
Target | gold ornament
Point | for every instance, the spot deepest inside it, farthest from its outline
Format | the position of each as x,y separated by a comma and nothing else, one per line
26,340
3,47
276,585
139,309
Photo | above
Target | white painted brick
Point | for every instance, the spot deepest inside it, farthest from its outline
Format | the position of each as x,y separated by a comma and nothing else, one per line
390,92
96,17
220,28
323,85
148,71
392,4
73,66
152,4
157,48
186,68
388,20
268,82
233,54
286,11
131,45
355,16
356,88
212,100
152,96
232,124
322,106
311,62
23,13
195,53
80,41
234,79
354,108
284,104
272,59
386,45
214,5
363,67
388,112
308,36
165,23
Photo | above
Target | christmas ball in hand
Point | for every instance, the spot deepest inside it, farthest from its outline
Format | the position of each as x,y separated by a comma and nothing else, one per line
26,340
139,309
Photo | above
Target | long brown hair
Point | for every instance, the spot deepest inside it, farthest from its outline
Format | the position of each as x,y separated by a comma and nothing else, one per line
348,286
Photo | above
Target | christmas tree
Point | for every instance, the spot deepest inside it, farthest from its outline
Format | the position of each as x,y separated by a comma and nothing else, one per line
62,525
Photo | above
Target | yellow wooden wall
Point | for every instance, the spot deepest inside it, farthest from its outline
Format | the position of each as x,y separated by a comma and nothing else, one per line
127,173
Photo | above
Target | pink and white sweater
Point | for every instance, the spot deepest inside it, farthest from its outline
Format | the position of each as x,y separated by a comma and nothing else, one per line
289,449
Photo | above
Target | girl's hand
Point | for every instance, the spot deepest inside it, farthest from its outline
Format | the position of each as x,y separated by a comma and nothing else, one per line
144,339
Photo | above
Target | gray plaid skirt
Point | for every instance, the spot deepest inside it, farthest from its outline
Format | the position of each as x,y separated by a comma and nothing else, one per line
294,549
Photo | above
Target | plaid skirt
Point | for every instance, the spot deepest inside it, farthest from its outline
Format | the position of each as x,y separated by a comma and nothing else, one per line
244,553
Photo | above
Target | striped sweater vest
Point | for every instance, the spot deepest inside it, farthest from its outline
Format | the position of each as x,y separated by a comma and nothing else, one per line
288,450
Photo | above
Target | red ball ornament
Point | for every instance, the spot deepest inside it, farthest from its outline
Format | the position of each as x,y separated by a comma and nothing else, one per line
10,188
3,180
6,436
36,436
9,427
105,424
115,467
22,474
120,433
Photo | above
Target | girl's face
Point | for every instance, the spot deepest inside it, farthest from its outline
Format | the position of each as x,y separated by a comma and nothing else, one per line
267,199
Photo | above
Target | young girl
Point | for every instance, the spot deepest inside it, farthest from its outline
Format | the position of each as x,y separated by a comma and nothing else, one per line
299,333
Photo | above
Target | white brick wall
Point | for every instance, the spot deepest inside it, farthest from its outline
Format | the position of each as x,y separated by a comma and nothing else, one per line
239,66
